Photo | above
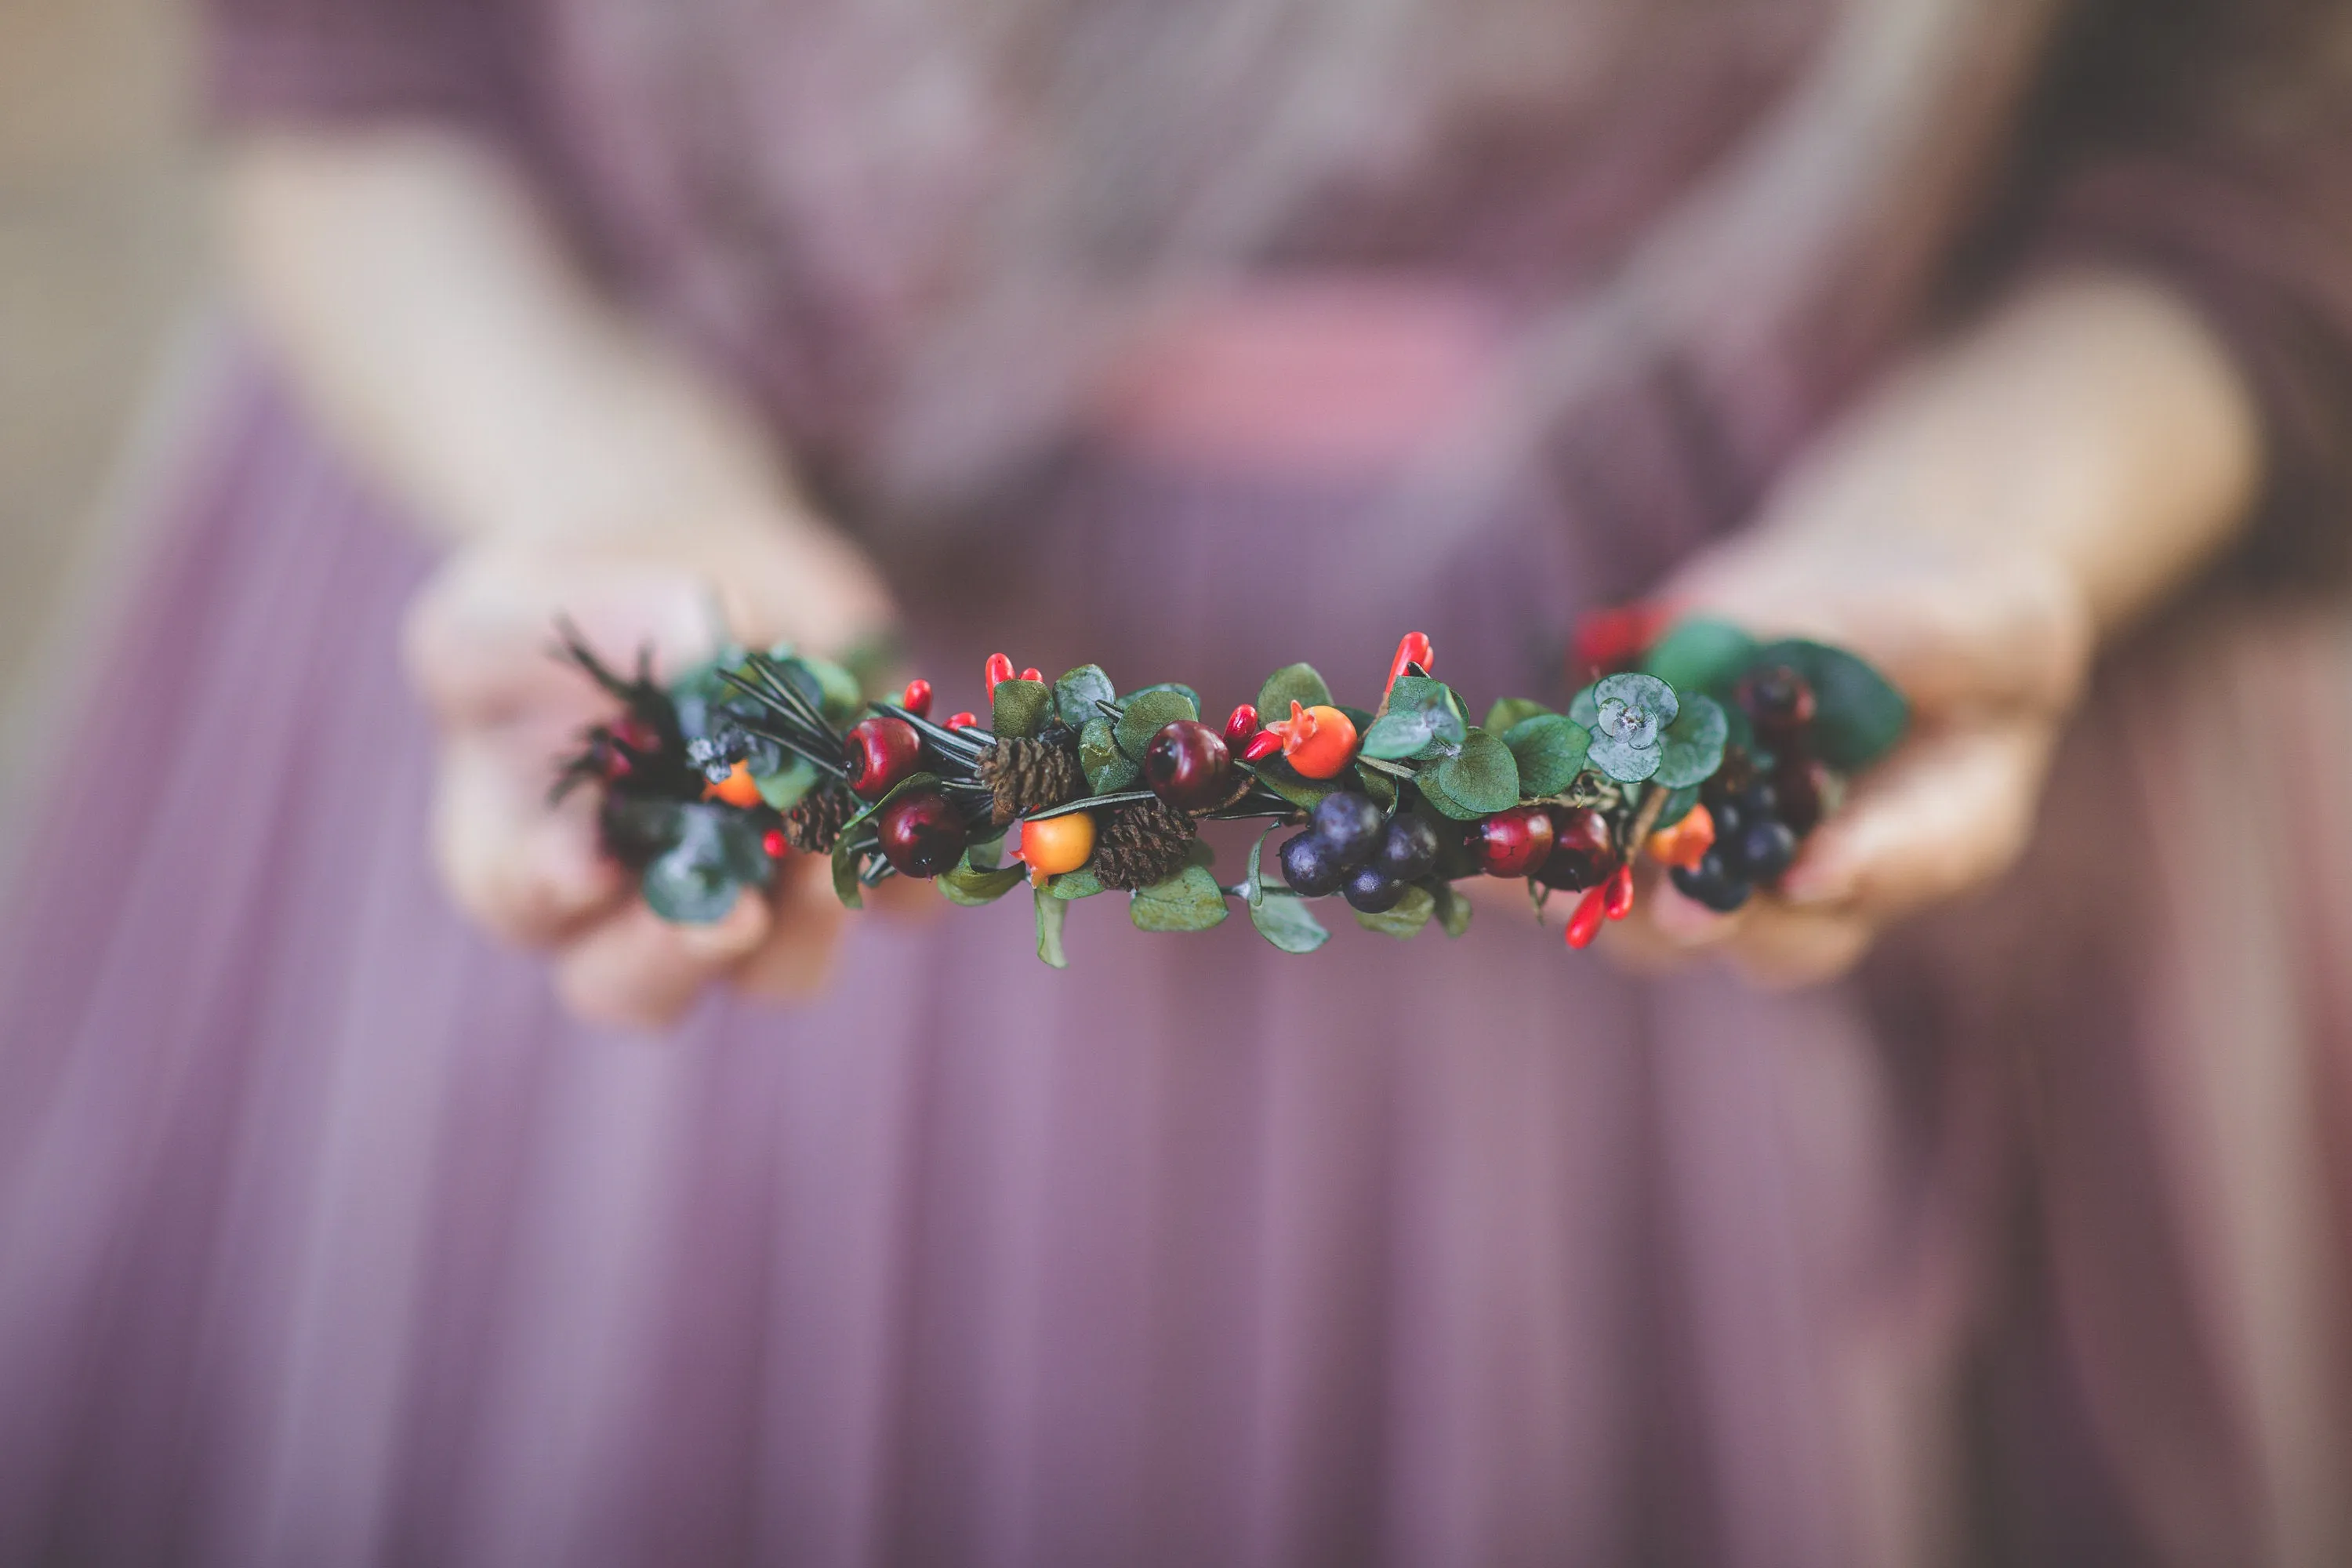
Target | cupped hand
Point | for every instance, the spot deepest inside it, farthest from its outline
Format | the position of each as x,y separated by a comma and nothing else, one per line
478,642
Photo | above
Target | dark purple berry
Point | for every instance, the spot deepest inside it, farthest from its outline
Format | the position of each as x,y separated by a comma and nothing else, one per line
1409,850
1349,824
1310,867
1758,801
1777,701
1372,890
1765,850
1711,883
1799,786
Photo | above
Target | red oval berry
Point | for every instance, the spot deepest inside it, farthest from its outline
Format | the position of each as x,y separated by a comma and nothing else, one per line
998,667
1513,843
1583,849
1264,744
1241,726
963,721
773,841
1413,649
1032,673
1591,912
880,751
917,698
1617,894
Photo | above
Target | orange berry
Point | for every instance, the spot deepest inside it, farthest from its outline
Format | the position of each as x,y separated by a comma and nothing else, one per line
1685,844
738,788
1058,843
1318,742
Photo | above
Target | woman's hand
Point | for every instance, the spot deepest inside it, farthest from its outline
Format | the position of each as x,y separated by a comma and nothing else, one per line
1975,529
480,643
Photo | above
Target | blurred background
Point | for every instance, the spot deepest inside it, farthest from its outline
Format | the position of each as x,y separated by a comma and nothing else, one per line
100,276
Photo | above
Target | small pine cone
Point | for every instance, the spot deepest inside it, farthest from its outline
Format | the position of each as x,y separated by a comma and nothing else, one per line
814,823
1028,775
1141,844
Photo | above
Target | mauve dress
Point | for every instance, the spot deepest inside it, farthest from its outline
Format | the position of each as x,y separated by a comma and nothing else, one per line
325,1238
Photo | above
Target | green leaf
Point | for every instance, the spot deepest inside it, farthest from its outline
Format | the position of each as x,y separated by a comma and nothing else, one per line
1021,708
1253,879
1701,655
1678,805
1286,782
1081,883
1452,909
1051,913
1626,765
1142,715
1404,732
1075,694
1412,912
783,791
1691,749
1644,693
1108,772
1858,716
1201,854
1189,901
1288,925
1584,708
1511,711
1292,683
846,853
1484,778
1412,692
1174,687
839,696
1380,786
695,882
1550,751
1432,789
966,884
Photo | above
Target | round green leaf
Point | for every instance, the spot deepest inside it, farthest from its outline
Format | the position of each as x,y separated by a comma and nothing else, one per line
1550,751
1288,925
783,790
1075,694
1190,900
1404,732
969,885
1051,912
1626,765
1292,683
1142,715
1191,697
695,882
1081,883
1452,909
1701,655
1510,711
1584,708
1108,772
1020,709
1412,912
1644,693
1691,747
1483,776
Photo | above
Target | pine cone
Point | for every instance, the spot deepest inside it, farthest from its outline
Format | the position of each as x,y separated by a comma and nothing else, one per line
1028,775
1139,844
814,823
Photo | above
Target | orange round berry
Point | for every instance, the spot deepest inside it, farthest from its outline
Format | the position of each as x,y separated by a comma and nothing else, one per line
738,788
1685,844
1319,741
1054,845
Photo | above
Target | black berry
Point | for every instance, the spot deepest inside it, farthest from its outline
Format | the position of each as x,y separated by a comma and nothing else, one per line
1349,824
1765,850
1777,701
1409,850
1310,867
1711,883
1372,890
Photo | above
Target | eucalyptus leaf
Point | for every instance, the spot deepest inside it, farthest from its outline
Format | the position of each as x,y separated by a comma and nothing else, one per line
1550,751
1584,708
1380,786
1289,924
1414,692
1691,747
783,790
1107,771
1143,715
1412,912
1700,656
1511,711
1081,883
1190,900
1858,716
1051,913
965,884
1678,805
1021,708
1286,782
1644,695
1626,765
1404,732
1174,688
1452,909
845,855
696,880
1483,776
1431,783
1077,692
1292,683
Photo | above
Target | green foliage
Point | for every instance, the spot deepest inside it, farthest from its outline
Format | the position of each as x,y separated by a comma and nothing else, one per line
1630,715
1288,924
1081,883
1288,782
847,850
1858,716
1423,719
1077,692
1190,697
1550,750
970,885
1107,771
783,790
1510,711
1021,708
1678,805
1452,909
1481,779
1701,655
1190,900
1583,708
697,879
1691,747
1051,913
1143,716
1412,912
1292,683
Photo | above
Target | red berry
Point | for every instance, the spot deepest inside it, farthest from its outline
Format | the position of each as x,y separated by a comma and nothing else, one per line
879,752
1798,787
1583,850
773,841
921,834
998,667
1261,745
1617,895
963,721
1513,843
1585,924
1413,649
1032,673
917,698
1241,726
1188,765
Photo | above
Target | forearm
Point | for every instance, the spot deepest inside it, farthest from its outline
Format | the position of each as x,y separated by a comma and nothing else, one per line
435,324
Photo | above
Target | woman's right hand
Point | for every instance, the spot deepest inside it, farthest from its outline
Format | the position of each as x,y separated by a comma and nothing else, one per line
479,645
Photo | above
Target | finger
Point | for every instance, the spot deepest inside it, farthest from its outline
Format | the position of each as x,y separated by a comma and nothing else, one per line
1769,943
635,970
481,641
794,961
1947,811
528,872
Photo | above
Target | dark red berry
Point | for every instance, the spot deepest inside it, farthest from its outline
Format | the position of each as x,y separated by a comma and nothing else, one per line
1801,786
1372,889
1583,850
1188,767
1777,701
921,834
1513,843
880,751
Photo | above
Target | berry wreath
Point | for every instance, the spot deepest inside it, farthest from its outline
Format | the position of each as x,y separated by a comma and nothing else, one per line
1702,749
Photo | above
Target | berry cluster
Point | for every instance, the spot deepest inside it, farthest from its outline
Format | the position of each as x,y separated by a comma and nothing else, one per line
1701,751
